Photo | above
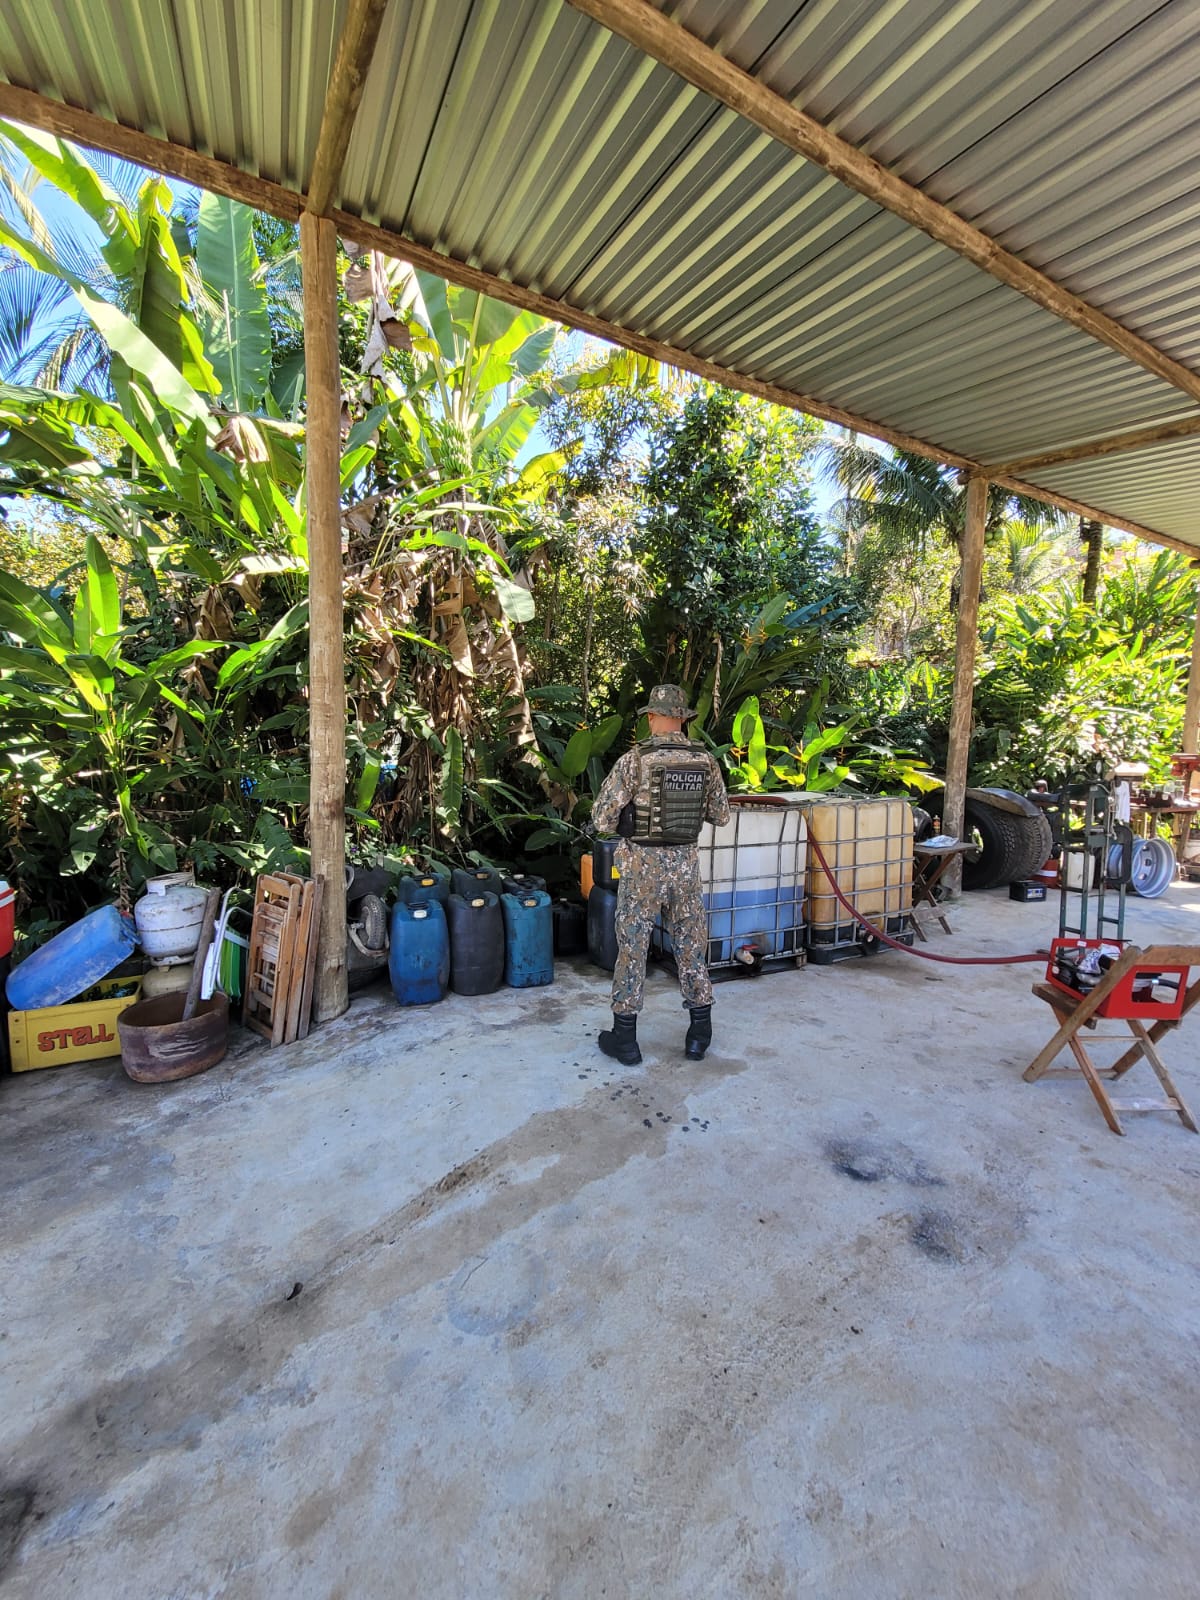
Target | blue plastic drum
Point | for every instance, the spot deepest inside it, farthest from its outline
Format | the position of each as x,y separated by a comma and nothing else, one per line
73,960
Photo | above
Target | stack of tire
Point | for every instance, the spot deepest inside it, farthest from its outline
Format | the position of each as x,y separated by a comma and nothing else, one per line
1014,837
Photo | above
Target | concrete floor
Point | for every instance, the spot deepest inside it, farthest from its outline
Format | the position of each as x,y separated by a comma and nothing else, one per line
846,1310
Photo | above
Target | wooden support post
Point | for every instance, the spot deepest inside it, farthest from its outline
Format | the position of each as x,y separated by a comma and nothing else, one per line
323,499
965,641
326,662
1191,713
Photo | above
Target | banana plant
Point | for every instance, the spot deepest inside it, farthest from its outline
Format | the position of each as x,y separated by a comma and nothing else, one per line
146,473
234,299
137,301
565,764
197,295
482,385
73,700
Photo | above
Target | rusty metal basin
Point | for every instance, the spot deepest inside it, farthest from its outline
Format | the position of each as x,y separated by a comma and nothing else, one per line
156,1047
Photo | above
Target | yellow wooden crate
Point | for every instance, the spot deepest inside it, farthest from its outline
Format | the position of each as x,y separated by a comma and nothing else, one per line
84,1030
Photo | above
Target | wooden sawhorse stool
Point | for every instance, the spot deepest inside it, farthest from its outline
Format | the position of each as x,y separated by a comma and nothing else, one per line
1075,1013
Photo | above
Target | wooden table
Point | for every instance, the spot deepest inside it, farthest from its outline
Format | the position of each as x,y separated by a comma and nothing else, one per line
1181,815
929,863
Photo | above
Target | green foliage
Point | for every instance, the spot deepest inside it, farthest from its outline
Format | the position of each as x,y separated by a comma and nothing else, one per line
815,758
533,538
1151,593
1058,680
900,521
1057,683
452,780
75,706
727,529
240,337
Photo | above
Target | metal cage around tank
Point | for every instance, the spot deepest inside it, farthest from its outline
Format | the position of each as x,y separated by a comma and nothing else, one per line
867,845
752,877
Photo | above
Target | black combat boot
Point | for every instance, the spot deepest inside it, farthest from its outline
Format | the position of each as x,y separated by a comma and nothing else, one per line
699,1034
621,1042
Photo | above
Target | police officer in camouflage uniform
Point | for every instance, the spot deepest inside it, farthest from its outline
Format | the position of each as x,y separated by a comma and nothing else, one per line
657,797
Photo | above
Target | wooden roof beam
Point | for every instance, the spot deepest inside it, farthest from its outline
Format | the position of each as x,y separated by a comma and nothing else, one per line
642,25
158,155
360,34
469,277
1117,444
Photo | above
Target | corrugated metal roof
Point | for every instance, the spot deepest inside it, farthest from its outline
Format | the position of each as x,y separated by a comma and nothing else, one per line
520,137
243,80
1156,486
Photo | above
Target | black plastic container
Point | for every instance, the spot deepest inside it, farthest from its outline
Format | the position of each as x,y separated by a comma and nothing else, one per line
470,881
520,883
602,927
476,943
570,928
604,872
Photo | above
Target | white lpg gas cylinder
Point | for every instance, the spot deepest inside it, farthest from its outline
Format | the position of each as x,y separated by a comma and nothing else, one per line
168,918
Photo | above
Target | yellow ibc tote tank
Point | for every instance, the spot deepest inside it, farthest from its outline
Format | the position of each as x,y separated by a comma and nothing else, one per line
868,847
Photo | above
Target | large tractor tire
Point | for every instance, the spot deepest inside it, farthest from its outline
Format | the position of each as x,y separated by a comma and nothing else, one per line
1012,845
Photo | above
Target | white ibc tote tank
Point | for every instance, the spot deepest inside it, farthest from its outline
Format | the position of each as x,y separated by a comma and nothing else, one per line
752,874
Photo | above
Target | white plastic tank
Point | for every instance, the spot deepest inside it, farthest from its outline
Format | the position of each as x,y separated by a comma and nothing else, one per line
168,918
752,875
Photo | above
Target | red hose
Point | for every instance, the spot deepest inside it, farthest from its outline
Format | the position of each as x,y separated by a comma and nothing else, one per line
908,949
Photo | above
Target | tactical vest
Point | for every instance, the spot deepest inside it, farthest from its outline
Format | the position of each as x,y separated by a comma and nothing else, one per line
672,793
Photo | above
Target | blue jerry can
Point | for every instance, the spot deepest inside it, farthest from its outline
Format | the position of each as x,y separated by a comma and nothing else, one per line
72,961
419,960
422,886
529,927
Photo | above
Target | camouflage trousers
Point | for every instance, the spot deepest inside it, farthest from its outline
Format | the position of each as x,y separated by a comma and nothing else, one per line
655,877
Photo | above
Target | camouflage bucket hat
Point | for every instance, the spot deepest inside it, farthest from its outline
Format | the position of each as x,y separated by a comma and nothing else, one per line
668,700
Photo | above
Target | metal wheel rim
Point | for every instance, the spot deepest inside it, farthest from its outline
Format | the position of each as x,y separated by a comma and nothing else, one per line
1113,865
1153,869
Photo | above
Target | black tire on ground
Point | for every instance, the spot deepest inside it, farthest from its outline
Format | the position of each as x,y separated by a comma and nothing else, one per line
1013,846
1041,842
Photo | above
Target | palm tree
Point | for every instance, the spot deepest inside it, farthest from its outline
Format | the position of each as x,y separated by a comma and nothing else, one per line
1032,560
898,514
186,272
906,497
1091,537
46,337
